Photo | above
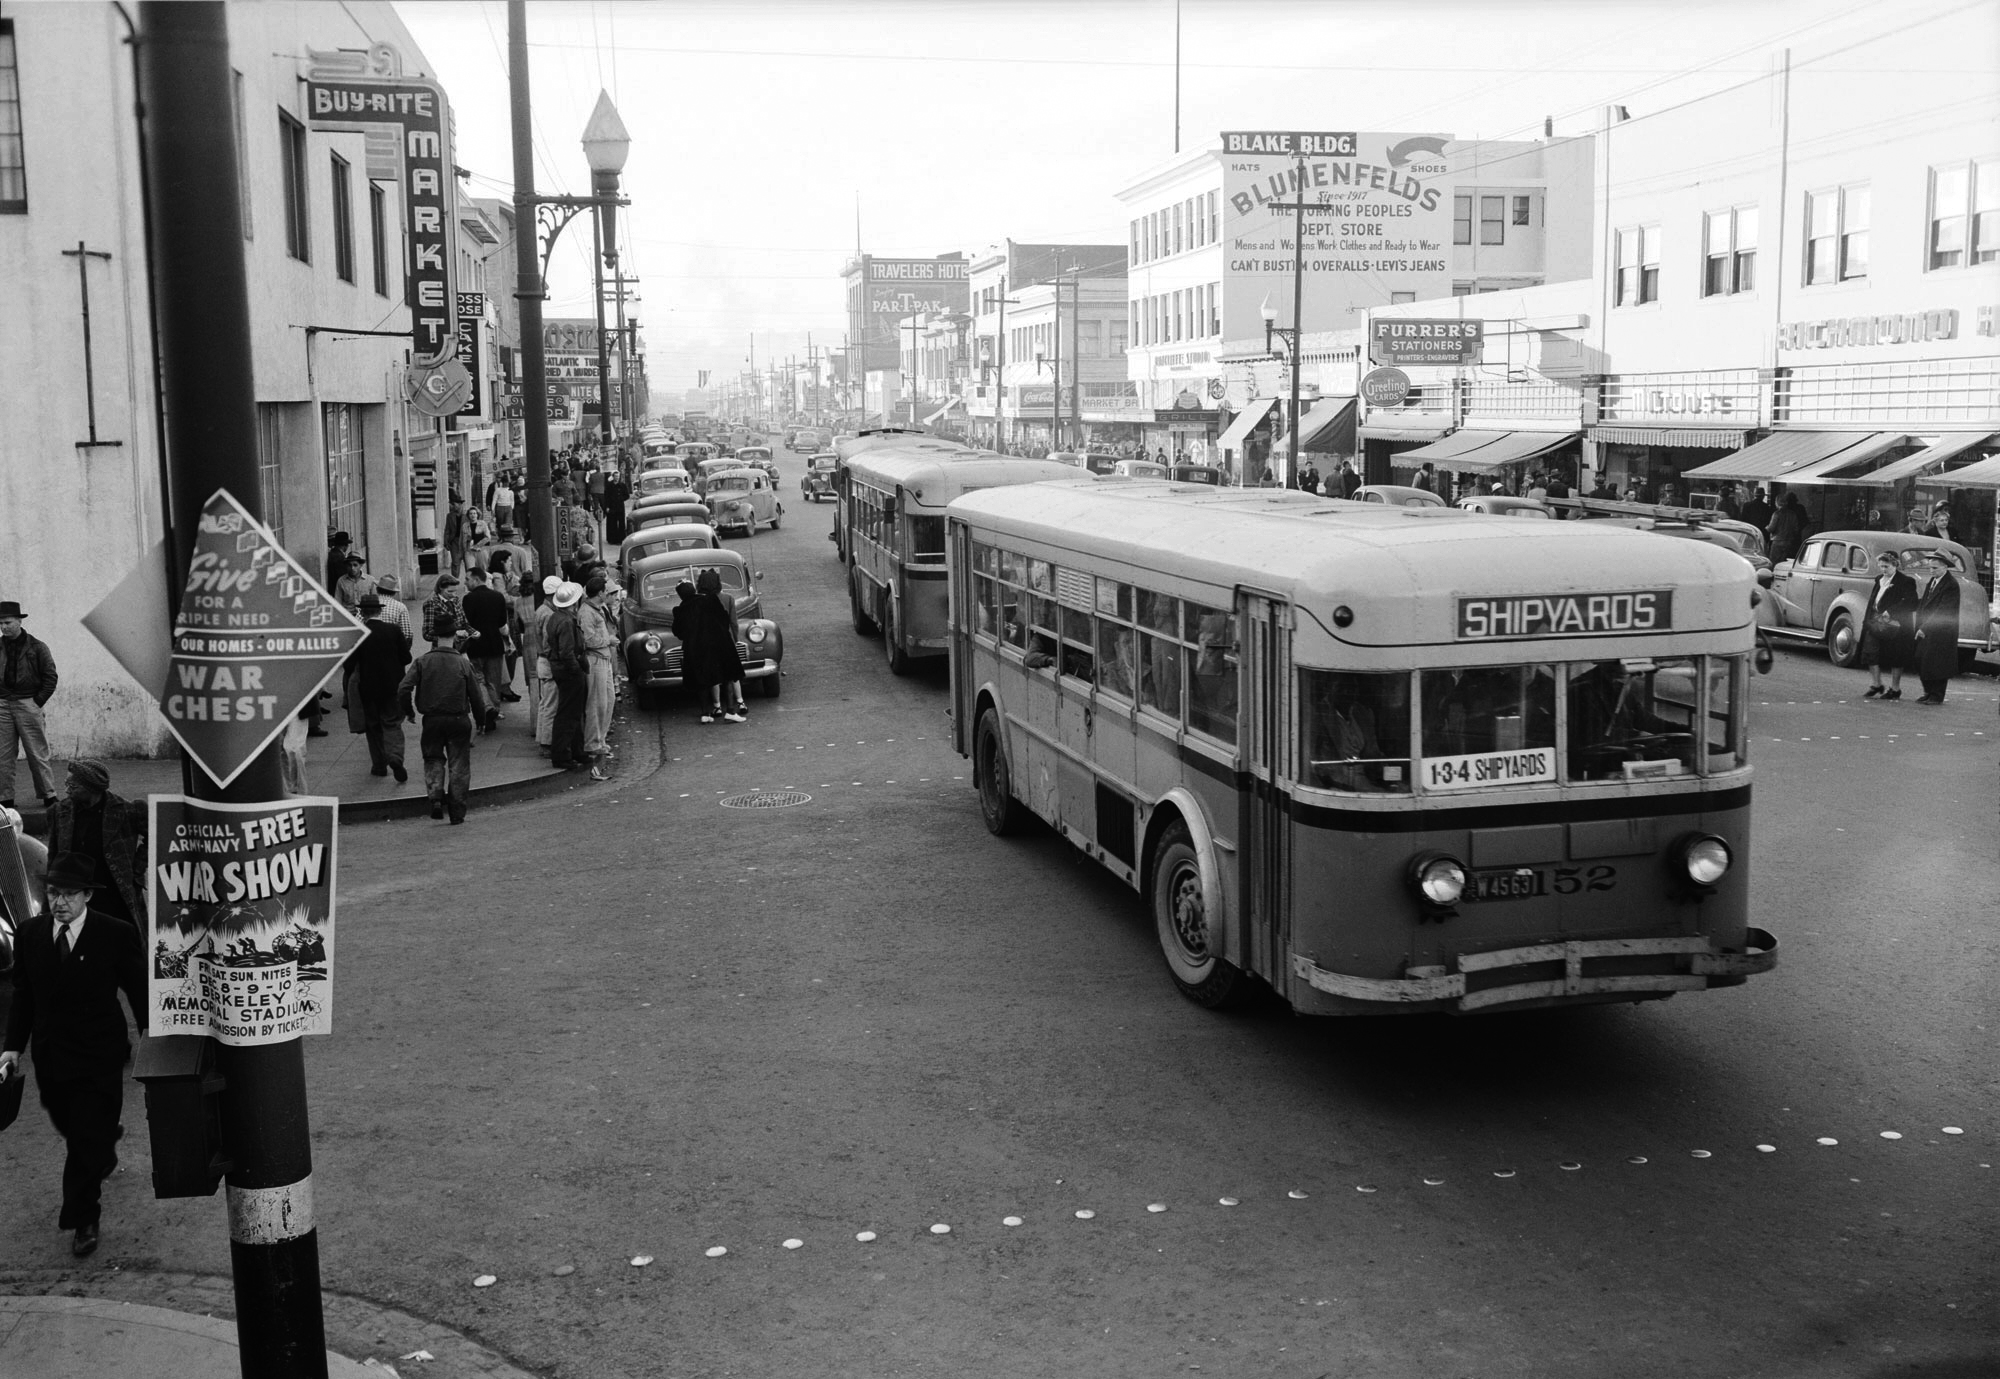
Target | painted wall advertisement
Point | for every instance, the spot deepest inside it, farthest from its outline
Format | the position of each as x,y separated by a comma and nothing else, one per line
240,930
1377,222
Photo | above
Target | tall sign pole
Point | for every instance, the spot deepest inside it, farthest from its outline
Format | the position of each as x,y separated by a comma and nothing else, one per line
202,304
528,293
1291,475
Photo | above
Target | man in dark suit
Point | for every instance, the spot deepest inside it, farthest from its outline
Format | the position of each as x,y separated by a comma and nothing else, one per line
1936,623
70,966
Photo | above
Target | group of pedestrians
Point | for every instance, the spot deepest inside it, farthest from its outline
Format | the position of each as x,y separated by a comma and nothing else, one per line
1911,627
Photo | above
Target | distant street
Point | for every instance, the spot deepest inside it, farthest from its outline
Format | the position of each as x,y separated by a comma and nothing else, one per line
626,1022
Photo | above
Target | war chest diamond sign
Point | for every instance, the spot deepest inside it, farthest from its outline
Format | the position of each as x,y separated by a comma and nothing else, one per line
255,638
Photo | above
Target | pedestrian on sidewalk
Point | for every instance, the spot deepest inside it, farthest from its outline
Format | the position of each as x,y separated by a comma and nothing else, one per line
710,661
1936,642
569,668
1885,628
442,606
448,694
542,688
457,534
600,649
616,494
69,966
110,830
27,680
394,611
486,612
337,552
375,675
353,584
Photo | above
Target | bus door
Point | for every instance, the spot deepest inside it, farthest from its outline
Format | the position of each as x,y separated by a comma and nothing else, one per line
1264,737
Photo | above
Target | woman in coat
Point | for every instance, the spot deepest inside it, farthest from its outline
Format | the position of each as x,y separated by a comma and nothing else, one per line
1936,643
709,659
1885,628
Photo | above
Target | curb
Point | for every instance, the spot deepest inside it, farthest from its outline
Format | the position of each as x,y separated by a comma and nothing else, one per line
419,806
355,1327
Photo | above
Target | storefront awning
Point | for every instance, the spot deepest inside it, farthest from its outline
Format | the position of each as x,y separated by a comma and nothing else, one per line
1474,452
950,403
1980,474
1791,456
1329,427
1246,422
1688,437
1910,466
1397,429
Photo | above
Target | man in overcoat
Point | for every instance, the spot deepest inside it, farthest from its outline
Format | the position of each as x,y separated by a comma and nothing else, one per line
108,829
69,967
1936,658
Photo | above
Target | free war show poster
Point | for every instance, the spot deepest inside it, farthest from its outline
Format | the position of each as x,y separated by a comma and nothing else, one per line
241,918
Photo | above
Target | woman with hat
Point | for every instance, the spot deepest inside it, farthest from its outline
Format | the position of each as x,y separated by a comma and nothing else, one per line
27,680
70,965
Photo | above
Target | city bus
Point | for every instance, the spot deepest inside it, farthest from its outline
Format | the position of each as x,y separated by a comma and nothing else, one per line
1378,759
895,497
878,438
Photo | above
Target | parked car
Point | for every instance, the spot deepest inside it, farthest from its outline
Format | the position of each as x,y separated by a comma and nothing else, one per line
1504,505
1823,595
1140,469
760,456
1096,462
652,653
666,530
660,483
673,507
1398,496
1195,474
818,480
742,499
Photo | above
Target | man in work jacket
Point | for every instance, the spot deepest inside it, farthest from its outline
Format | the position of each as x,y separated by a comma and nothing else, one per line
443,687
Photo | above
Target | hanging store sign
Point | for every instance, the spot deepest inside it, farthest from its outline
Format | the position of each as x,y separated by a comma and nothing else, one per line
365,92
471,312
1417,340
1385,387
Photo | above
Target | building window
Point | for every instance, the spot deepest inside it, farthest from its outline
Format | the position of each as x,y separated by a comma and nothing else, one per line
1214,217
270,470
292,153
1729,251
1398,298
1965,214
243,198
1521,209
346,473
343,220
1837,234
1179,243
1461,220
1461,289
1119,335
1638,278
1135,241
378,229
1492,220
13,151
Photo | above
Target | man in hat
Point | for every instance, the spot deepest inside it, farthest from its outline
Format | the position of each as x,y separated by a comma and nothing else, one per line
569,667
542,682
394,611
375,675
70,964
486,613
92,822
447,692
600,650
27,679
337,551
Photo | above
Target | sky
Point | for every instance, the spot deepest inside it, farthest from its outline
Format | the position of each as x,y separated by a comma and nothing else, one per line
763,130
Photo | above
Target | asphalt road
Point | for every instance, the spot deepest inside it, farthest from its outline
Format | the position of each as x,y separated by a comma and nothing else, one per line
628,1022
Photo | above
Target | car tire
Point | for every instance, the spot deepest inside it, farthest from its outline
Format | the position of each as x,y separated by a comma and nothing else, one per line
892,641
998,808
772,688
1843,641
775,518
863,624
1966,656
1180,923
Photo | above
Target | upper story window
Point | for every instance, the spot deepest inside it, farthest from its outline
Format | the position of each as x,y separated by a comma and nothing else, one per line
1214,217
1729,251
1177,227
242,120
1965,215
13,151
1461,220
292,156
1135,242
1638,279
1523,209
1837,234
1492,220
343,219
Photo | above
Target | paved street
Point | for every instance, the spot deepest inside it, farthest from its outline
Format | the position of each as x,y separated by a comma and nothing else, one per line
629,1022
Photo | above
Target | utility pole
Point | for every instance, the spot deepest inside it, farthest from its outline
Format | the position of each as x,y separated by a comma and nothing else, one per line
1000,373
528,295
1291,474
1056,416
202,299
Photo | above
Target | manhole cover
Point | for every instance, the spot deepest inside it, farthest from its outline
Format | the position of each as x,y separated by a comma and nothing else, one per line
767,799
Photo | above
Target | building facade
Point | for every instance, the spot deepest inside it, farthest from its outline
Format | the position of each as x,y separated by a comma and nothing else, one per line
1002,282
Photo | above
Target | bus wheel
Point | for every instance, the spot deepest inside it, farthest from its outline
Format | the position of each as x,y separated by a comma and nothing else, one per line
892,640
1843,642
863,624
1182,923
996,786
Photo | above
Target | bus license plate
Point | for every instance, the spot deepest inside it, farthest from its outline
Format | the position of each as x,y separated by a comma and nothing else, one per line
1515,883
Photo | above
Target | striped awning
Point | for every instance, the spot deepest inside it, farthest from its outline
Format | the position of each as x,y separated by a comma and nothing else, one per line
1791,456
1979,474
1690,437
1923,462
1246,422
1473,452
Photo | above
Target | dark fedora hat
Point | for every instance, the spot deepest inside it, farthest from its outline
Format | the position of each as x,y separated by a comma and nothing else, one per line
10,609
73,871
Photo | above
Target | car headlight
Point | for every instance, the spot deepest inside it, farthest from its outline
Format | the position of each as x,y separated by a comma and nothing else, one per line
652,646
1706,859
1438,878
756,634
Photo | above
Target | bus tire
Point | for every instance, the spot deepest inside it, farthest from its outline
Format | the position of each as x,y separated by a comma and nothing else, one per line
1181,924
892,640
863,624
1843,641
997,805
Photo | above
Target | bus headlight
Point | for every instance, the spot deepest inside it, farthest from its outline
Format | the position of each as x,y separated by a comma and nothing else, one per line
1705,858
1438,879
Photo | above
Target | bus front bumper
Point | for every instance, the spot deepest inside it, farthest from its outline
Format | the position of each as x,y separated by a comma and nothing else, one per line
1698,965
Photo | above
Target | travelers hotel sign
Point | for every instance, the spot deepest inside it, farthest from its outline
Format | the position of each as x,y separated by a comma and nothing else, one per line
1377,222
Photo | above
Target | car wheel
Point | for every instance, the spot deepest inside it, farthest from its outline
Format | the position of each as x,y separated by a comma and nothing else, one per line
1966,656
892,640
1181,921
997,806
1843,641
772,686
863,624
775,517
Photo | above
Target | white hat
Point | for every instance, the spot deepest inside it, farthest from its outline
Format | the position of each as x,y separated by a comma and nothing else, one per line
567,596
550,585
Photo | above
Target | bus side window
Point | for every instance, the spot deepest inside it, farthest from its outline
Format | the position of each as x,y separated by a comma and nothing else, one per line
1355,730
1160,656
1045,635
1211,671
1078,659
1114,658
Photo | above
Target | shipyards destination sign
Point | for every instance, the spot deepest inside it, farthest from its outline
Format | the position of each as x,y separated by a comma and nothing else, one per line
368,92
1507,616
1377,222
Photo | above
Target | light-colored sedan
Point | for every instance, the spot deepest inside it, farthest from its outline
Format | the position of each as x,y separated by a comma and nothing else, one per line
742,500
1398,496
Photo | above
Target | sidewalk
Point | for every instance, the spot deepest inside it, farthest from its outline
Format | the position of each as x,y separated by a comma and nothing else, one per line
91,1338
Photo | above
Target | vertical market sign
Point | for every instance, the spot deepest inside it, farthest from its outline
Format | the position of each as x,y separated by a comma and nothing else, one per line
1377,222
239,931
368,92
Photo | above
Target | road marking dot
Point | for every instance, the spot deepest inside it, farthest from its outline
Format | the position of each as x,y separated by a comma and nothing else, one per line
864,1236
1156,1206
484,1281
1433,1182
1010,1220
794,1243
940,1229
1892,1134
641,1261
1503,1172
1569,1167
1953,1130
717,1251
1826,1140
1636,1159
1226,1201
1702,1154
1767,1149
563,1270
1086,1214
1296,1195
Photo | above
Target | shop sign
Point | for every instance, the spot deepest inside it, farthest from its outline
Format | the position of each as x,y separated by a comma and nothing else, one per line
1185,416
368,91
1419,340
471,312
1385,387
1845,332
1565,615
239,929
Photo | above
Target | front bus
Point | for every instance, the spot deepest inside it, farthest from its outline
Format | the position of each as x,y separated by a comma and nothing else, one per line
1382,759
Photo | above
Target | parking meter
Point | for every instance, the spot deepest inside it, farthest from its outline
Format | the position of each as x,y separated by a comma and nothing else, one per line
183,1113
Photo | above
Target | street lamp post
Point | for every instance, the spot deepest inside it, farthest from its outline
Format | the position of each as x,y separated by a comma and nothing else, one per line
605,144
1290,336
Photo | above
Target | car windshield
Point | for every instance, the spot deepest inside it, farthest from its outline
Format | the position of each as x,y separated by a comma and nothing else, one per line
728,483
658,585
660,481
